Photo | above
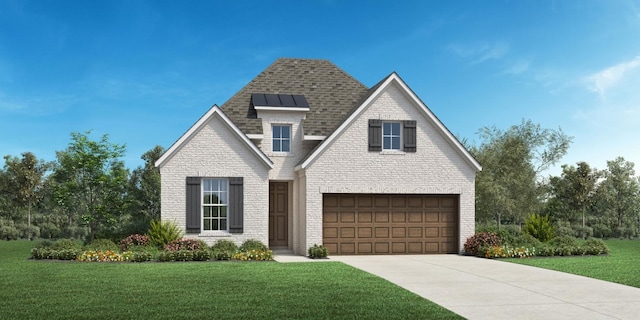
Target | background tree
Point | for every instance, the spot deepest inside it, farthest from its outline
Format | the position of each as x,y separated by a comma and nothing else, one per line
23,181
573,191
508,186
618,195
144,191
91,182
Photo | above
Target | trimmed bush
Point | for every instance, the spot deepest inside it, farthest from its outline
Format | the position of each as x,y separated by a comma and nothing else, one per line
601,230
185,244
595,247
185,255
483,239
255,255
540,227
102,245
162,232
223,250
526,240
253,244
583,232
62,244
318,252
567,241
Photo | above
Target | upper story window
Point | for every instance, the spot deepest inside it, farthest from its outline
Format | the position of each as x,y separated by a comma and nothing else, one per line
281,138
391,136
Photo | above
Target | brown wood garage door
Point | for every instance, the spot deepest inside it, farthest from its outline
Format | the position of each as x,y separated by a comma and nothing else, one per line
390,224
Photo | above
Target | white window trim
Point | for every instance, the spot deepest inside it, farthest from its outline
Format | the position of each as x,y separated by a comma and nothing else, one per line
203,205
399,150
281,139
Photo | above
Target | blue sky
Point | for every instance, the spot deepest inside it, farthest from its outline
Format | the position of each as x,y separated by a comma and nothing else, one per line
145,71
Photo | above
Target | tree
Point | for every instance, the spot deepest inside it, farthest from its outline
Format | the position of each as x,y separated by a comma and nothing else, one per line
144,190
24,178
618,194
575,188
512,161
91,180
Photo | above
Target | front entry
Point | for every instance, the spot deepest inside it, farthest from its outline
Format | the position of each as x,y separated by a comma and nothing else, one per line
278,214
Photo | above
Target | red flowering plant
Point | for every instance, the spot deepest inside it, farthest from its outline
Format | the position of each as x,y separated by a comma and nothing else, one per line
134,240
479,240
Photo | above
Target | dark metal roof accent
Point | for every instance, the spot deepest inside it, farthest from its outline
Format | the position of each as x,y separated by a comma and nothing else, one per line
331,93
279,100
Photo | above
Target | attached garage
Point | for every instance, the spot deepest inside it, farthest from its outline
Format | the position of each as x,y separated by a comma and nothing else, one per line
367,224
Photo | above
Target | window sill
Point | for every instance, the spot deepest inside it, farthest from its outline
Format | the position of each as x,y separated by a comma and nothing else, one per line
280,154
214,234
392,152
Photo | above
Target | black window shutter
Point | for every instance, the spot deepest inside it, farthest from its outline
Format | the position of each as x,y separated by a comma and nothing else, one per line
375,135
409,135
193,205
236,200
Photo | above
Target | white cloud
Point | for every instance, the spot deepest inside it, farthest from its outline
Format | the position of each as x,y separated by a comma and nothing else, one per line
519,66
480,52
604,80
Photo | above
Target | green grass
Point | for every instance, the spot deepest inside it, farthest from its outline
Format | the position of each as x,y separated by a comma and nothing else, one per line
37,289
620,266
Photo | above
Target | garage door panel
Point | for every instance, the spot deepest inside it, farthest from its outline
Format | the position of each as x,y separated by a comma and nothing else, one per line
382,217
365,217
398,217
390,224
382,232
399,232
382,247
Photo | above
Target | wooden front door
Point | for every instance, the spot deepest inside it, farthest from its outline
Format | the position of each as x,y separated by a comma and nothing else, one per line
278,214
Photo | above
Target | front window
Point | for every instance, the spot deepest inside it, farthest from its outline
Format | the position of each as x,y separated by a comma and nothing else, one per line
215,202
281,138
391,136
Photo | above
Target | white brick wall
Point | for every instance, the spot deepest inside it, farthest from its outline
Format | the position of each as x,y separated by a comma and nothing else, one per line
347,166
216,151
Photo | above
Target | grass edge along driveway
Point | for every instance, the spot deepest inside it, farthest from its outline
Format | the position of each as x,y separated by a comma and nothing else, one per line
221,290
620,266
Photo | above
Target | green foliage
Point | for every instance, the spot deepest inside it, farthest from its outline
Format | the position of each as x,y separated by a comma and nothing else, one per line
162,232
185,255
483,239
253,244
539,227
595,247
223,249
144,192
568,241
601,230
254,255
318,252
62,244
583,232
134,240
102,245
8,230
506,251
55,254
526,240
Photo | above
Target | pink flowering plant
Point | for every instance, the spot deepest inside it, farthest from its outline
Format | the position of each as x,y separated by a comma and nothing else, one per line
185,244
482,239
134,240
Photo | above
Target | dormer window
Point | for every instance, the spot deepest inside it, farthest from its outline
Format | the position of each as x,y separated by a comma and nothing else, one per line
281,138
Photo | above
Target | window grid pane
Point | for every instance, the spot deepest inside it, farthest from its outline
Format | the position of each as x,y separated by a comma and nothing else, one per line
281,139
391,136
215,200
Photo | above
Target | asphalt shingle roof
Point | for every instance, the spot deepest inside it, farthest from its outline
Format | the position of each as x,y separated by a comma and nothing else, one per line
332,94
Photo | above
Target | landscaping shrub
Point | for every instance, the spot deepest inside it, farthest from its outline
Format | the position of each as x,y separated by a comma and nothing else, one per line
257,255
483,239
141,256
318,252
568,241
62,244
601,230
185,244
540,227
624,232
563,228
134,240
55,254
253,244
185,255
162,232
104,256
8,230
595,247
102,245
28,232
223,250
505,251
526,240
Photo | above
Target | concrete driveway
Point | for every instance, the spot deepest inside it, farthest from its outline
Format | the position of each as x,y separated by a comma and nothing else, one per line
478,288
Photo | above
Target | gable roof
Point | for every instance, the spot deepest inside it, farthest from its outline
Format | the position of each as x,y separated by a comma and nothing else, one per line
375,91
332,94
213,111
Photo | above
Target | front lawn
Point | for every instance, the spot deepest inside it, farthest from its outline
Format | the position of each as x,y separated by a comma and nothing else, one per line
620,266
42,289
